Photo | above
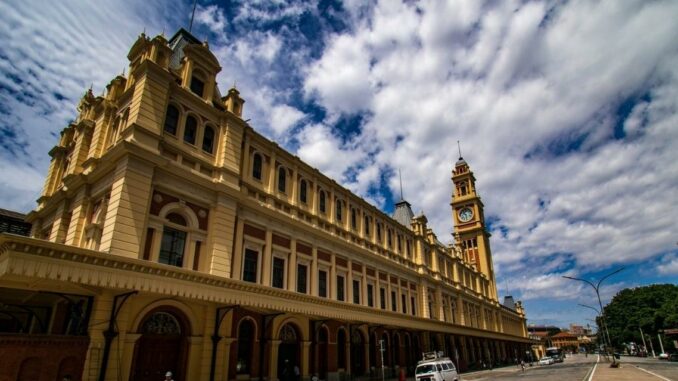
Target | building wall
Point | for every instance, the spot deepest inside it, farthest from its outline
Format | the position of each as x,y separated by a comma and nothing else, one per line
124,177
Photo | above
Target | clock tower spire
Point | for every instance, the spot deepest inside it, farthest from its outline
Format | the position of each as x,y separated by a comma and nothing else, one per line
470,233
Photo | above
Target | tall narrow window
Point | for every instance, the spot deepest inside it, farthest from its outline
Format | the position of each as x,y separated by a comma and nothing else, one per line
394,305
250,266
208,140
389,239
190,129
282,177
367,226
356,291
370,295
278,280
340,288
302,191
403,302
354,222
321,201
171,120
379,233
322,283
197,84
302,278
338,212
413,310
382,298
256,166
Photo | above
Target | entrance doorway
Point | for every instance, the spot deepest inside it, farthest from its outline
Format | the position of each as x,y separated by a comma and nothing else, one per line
162,347
289,365
322,353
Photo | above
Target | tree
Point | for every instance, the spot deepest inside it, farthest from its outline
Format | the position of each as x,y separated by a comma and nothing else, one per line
652,308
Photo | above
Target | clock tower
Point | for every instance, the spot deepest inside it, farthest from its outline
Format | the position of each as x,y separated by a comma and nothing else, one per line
470,234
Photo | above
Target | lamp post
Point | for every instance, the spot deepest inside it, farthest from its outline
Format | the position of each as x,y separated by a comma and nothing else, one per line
596,287
604,330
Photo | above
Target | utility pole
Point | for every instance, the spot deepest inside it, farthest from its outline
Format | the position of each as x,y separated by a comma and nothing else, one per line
642,336
660,342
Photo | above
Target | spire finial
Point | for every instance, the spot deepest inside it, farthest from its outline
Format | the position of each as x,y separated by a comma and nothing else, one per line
123,70
190,26
401,184
459,146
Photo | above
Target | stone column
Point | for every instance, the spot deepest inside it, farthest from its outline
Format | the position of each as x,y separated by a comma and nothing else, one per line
238,253
292,266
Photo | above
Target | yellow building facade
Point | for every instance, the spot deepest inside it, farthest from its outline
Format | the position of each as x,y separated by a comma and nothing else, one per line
171,236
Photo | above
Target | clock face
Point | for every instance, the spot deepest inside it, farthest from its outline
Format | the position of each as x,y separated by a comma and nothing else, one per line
465,214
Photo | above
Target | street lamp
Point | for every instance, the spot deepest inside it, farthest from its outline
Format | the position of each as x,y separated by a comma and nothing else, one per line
604,331
596,287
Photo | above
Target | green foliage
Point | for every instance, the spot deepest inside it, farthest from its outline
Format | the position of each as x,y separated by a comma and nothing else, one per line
652,308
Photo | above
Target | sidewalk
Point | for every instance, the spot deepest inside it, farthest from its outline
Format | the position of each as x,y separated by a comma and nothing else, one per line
625,372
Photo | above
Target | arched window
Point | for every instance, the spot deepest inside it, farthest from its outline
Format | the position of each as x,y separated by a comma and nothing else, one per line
354,220
171,120
338,212
256,166
245,345
198,83
190,129
321,201
282,177
302,191
208,139
173,241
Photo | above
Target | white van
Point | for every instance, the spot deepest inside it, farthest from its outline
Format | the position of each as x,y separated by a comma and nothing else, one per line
434,367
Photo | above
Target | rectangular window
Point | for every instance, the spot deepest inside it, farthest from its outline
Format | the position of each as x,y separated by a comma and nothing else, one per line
370,296
278,273
301,278
403,302
340,288
197,86
394,306
249,273
322,283
356,292
172,247
413,302
382,298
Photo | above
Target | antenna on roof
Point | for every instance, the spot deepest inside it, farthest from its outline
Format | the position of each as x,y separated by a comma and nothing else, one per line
401,184
459,146
190,26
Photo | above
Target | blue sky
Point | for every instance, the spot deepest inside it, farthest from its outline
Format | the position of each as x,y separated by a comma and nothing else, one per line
567,112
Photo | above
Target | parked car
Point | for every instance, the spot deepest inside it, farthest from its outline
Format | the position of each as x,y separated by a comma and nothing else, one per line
673,357
546,360
663,356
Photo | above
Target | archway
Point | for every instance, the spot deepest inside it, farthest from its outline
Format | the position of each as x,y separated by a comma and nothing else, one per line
289,363
357,353
322,353
341,349
372,348
162,347
246,334
397,358
409,356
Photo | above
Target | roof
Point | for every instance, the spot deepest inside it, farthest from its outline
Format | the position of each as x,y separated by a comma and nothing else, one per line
403,213
564,335
12,214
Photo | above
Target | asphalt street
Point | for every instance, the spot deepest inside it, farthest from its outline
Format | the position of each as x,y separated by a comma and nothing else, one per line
579,368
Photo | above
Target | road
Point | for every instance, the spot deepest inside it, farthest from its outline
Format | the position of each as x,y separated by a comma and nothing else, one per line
579,367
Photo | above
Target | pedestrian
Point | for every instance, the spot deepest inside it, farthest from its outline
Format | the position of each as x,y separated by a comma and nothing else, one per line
296,373
522,365
168,376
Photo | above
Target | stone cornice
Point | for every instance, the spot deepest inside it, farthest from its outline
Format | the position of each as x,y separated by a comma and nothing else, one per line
22,257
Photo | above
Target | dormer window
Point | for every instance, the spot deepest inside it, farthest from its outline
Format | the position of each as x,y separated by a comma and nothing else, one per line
190,130
198,83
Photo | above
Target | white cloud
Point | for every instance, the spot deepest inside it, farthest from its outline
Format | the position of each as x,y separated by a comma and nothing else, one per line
669,265
211,16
